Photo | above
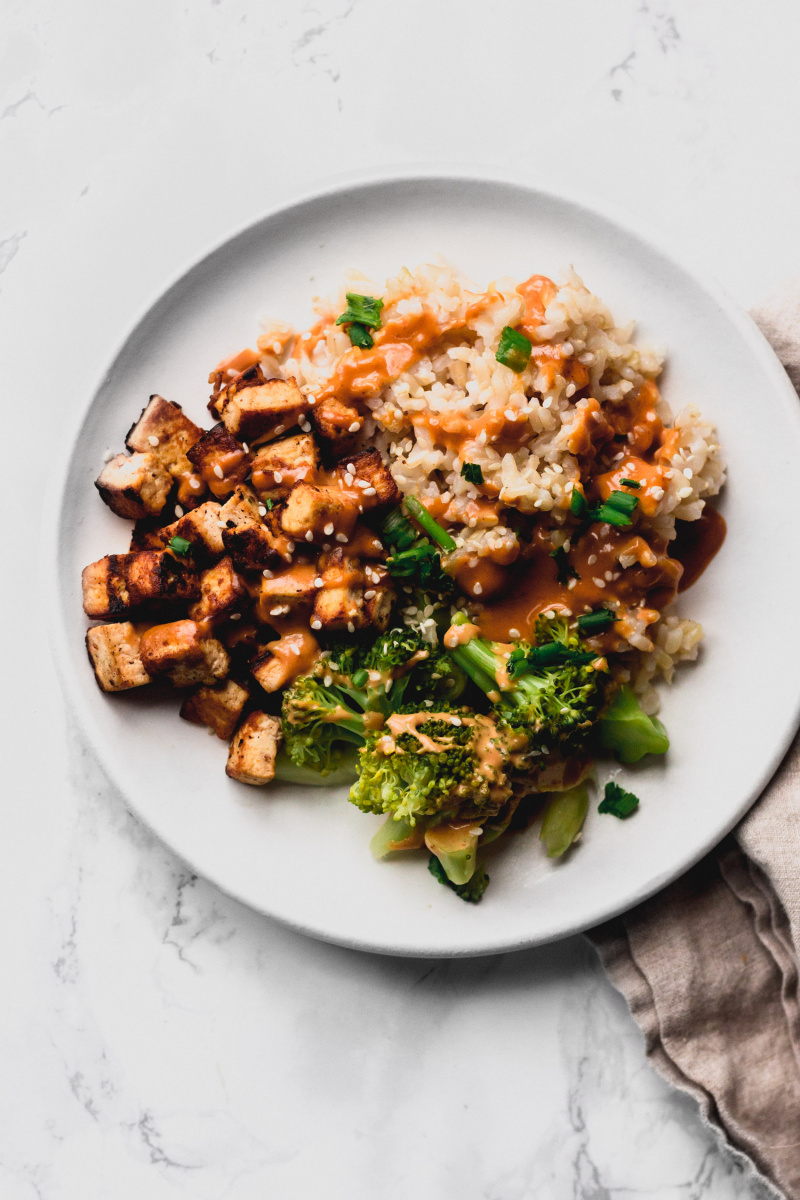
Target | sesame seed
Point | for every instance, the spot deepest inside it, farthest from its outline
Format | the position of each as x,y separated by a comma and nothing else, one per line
351,627
280,428
277,476
235,616
514,634
309,536
194,482
550,614
428,703
178,510
570,389
318,582
328,530
370,491
328,680
348,479
218,471
315,624
688,472
456,721
351,468
601,583
572,583
341,537
294,649
362,483
387,687
153,440
290,547
354,428
476,589
267,573
609,576
510,415
592,559
222,525
370,595
262,512
275,612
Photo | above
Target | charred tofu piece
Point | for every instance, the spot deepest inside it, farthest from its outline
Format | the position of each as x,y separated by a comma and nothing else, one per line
134,486
372,477
179,651
250,536
228,379
291,589
122,583
339,603
283,660
365,544
254,748
165,431
337,424
200,528
218,708
114,654
314,514
222,592
219,461
378,603
280,465
257,412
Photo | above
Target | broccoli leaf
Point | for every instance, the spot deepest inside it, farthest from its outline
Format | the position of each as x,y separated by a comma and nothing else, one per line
618,802
472,891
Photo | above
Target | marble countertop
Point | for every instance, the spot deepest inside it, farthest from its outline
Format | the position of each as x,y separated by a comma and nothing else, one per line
157,1039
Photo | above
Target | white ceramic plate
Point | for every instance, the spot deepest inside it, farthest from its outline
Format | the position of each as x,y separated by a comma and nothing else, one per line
302,856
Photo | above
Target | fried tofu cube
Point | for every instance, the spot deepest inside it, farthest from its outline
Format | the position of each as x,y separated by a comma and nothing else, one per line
337,424
200,528
218,708
378,607
256,413
339,608
121,583
319,511
254,748
368,467
165,431
114,654
219,460
283,660
249,536
180,652
231,376
280,465
290,589
221,593
134,486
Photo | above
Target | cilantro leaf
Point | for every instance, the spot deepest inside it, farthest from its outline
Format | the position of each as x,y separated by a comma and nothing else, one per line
472,473
565,570
618,802
180,545
364,310
360,336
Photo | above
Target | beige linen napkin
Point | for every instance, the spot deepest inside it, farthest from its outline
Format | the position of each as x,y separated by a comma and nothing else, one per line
709,966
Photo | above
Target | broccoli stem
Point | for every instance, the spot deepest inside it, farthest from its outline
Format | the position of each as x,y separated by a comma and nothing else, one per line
396,835
628,731
288,772
456,847
563,819
433,529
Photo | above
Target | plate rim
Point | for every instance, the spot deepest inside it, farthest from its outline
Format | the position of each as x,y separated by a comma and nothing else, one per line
354,182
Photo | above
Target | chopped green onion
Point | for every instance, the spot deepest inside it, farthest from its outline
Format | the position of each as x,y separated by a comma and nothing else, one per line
618,802
552,654
514,350
577,504
360,678
565,570
631,483
270,504
398,531
179,545
421,515
364,310
472,473
596,622
616,510
622,501
360,336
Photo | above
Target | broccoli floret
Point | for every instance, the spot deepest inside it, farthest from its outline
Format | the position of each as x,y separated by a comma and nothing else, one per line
551,691
472,891
319,726
449,778
628,731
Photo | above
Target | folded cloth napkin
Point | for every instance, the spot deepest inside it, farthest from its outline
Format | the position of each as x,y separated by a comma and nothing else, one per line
709,966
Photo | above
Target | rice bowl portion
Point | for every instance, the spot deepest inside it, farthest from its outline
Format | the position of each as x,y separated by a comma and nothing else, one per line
431,546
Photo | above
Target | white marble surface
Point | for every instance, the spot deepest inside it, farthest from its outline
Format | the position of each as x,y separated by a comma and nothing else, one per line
157,1040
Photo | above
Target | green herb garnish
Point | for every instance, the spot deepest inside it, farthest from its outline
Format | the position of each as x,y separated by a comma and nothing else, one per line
362,314
539,658
360,678
631,483
577,504
596,622
472,473
269,504
565,570
618,802
514,350
179,545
